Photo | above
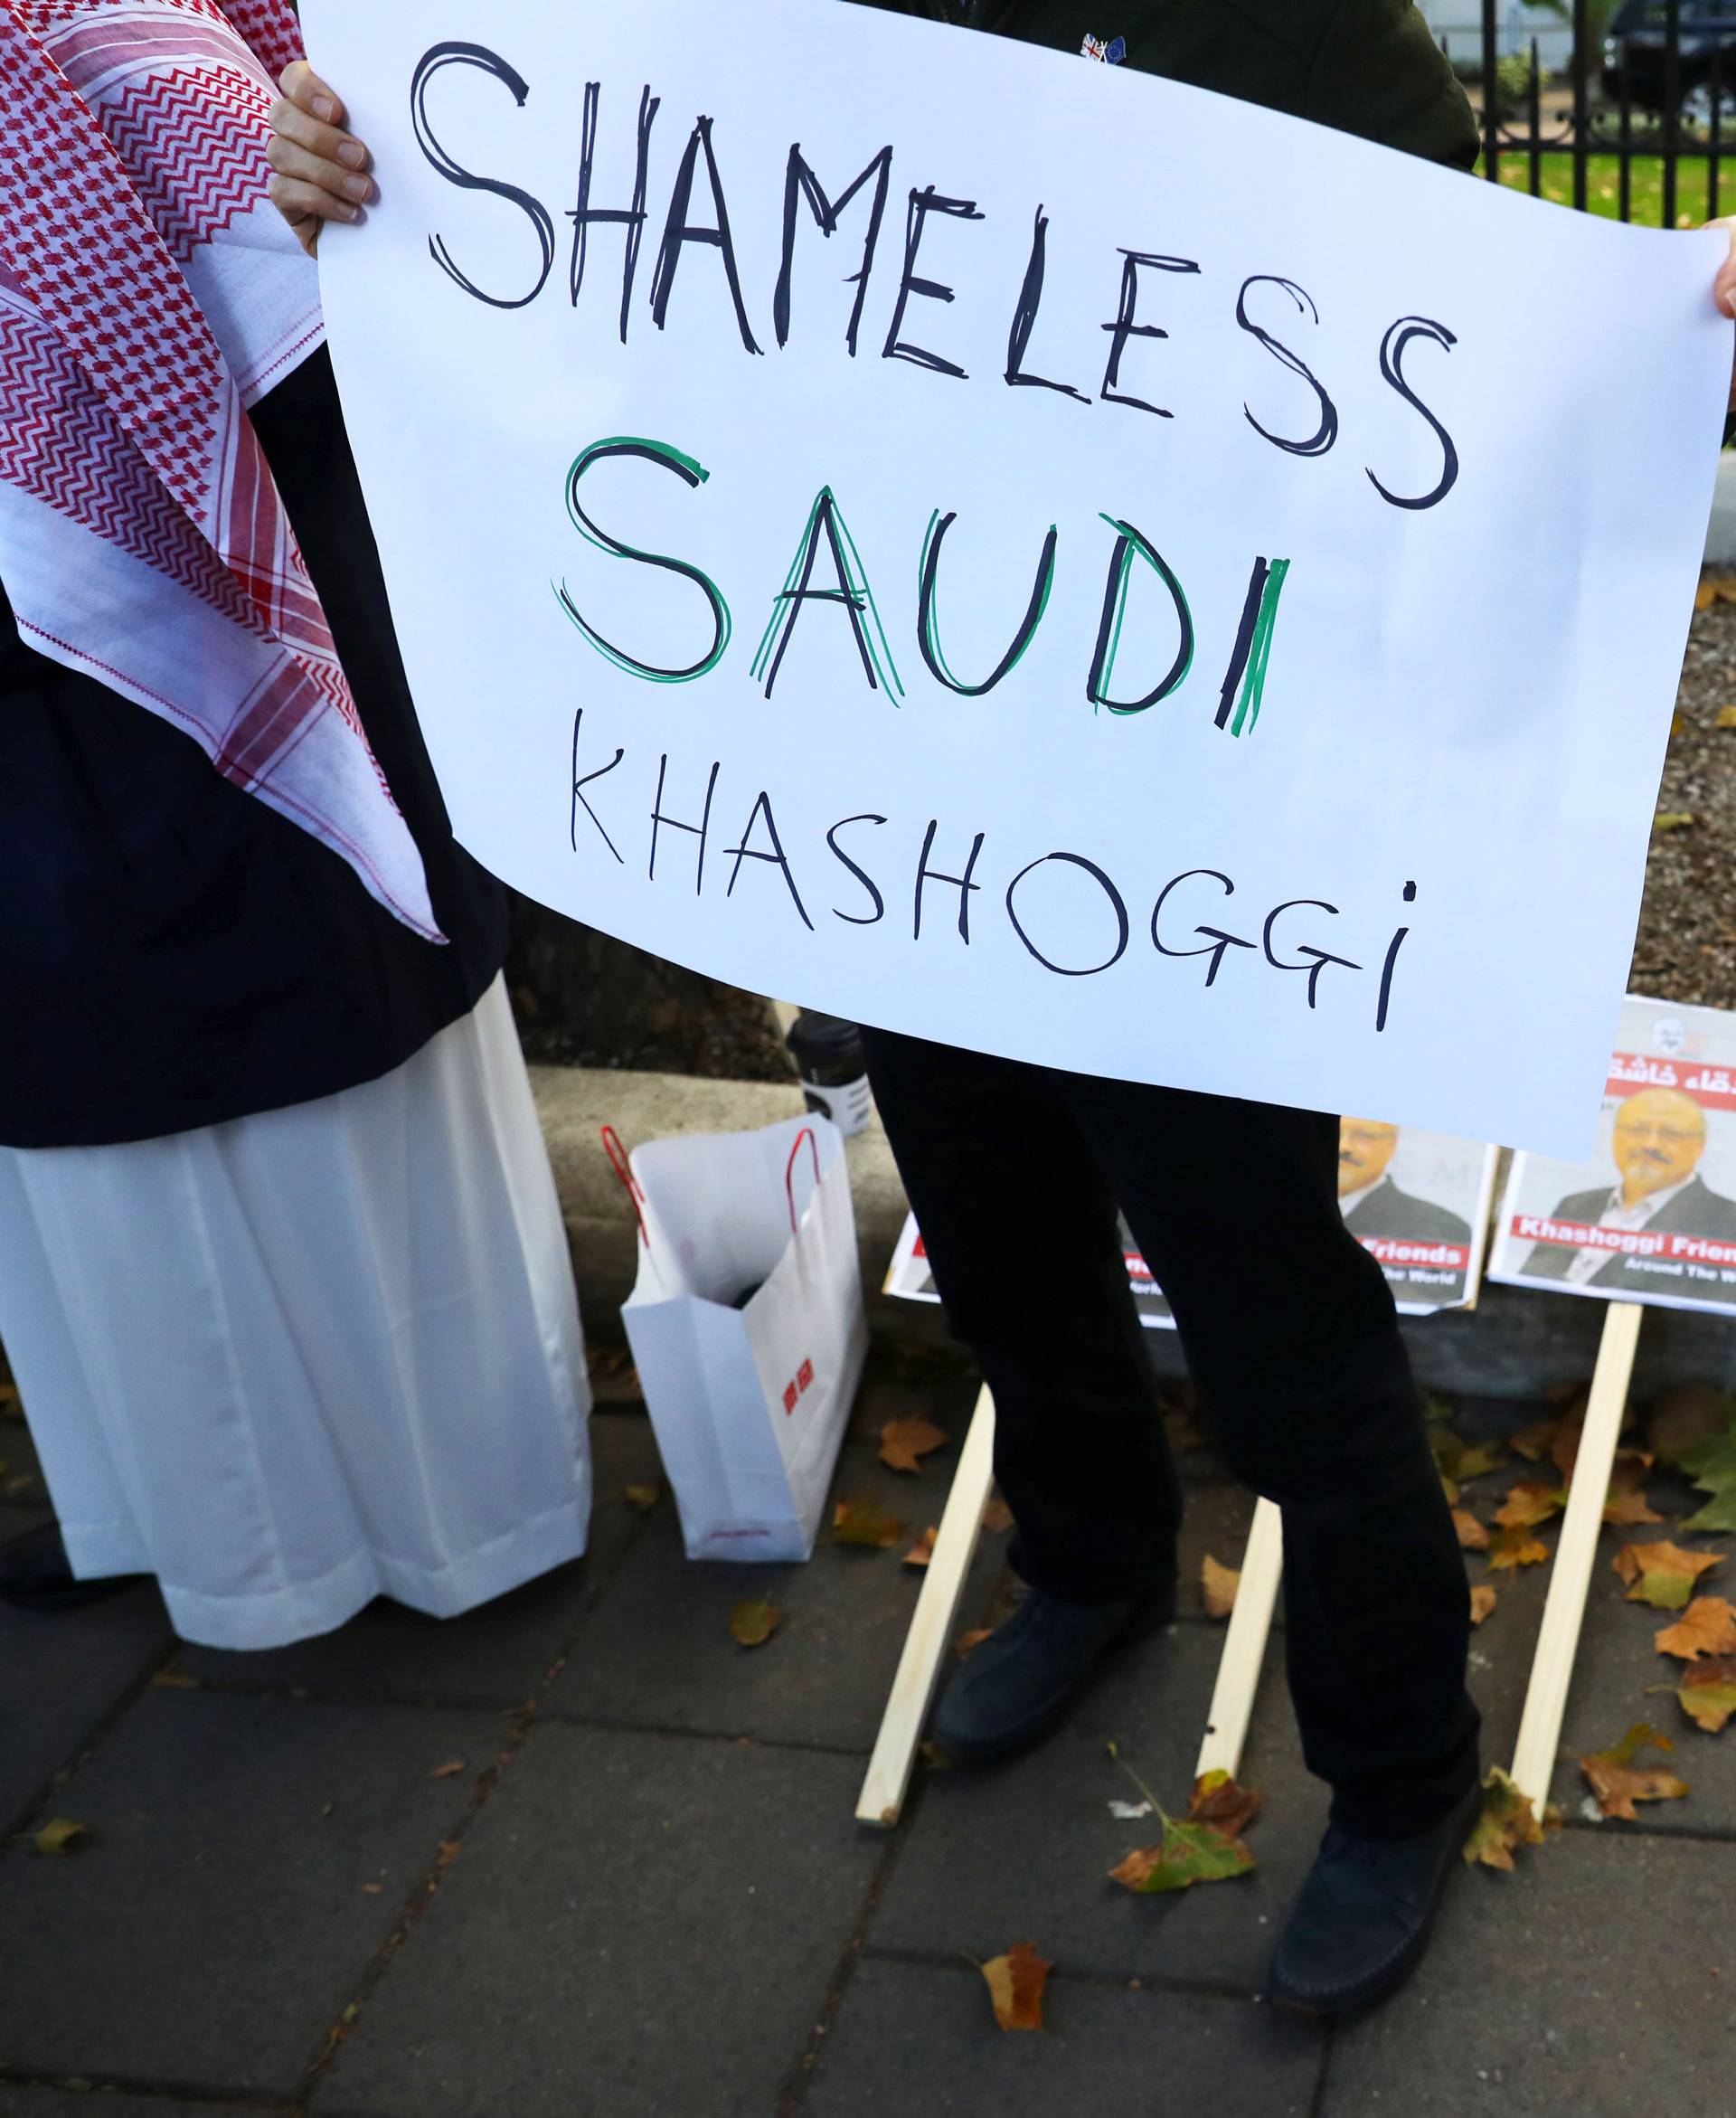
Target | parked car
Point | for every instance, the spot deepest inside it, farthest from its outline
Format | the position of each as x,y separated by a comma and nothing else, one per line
1705,62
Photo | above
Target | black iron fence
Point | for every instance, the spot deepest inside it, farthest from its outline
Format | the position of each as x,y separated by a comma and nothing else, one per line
1638,124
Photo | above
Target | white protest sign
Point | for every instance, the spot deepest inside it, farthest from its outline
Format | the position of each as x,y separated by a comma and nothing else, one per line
1022,552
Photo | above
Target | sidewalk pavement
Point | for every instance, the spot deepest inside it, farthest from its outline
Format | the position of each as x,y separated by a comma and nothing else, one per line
643,1892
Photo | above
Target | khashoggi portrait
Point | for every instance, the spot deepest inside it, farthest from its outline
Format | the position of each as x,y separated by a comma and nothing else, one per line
1372,1204
1418,1201
1652,1218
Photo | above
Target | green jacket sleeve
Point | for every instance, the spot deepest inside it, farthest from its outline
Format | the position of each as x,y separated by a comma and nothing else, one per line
1377,71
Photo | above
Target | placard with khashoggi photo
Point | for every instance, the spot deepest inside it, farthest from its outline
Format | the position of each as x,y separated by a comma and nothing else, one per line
1418,1201
1652,1216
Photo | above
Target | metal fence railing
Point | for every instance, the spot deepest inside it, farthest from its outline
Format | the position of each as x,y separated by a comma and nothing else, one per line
1638,124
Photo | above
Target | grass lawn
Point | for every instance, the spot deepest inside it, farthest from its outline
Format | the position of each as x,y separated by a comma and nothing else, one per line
1603,182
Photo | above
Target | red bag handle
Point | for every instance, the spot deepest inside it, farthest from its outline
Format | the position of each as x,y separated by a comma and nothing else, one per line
623,1168
807,1133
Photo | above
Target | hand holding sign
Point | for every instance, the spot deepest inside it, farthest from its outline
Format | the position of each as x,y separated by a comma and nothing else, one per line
1725,286
320,170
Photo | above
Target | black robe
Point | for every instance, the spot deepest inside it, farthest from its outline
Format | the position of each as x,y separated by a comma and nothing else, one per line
173,953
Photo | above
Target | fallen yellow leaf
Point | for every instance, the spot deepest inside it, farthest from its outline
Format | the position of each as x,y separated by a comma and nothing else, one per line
1015,1983
1219,1586
1482,1602
1504,1824
1530,1502
860,1522
1223,1804
1472,1536
753,1622
1625,1505
904,1442
922,1550
1707,1693
1186,1854
1613,1777
1517,1547
1707,1627
1662,1575
60,1835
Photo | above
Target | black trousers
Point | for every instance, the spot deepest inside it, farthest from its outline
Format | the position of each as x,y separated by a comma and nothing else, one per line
1015,1173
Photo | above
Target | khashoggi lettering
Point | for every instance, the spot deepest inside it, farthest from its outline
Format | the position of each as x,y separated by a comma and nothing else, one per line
673,818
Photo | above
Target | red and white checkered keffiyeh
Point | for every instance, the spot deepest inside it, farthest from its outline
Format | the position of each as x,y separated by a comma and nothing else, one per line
149,293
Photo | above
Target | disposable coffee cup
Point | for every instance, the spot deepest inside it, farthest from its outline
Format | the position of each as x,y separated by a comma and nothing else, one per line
833,1071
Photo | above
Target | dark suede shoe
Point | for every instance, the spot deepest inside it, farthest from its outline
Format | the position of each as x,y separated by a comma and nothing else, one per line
1027,1674
1362,1919
36,1574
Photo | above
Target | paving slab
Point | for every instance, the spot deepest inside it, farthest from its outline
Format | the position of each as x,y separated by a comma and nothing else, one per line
61,1672
495,1655
1617,1663
1021,1850
922,2038
221,1923
1538,1998
658,1652
639,1924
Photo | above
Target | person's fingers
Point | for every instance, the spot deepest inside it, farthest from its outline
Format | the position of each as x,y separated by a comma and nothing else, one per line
327,141
1723,285
289,160
305,230
297,200
303,87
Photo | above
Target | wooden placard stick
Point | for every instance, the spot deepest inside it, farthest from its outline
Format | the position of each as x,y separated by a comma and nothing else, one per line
1244,1645
1558,1638
930,1635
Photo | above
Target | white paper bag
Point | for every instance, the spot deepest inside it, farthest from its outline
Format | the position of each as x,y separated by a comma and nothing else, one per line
749,1404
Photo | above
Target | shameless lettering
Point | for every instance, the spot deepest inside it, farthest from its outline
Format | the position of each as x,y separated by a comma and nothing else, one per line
1391,359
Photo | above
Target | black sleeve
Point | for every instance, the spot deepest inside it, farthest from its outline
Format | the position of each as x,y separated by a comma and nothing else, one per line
1377,72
